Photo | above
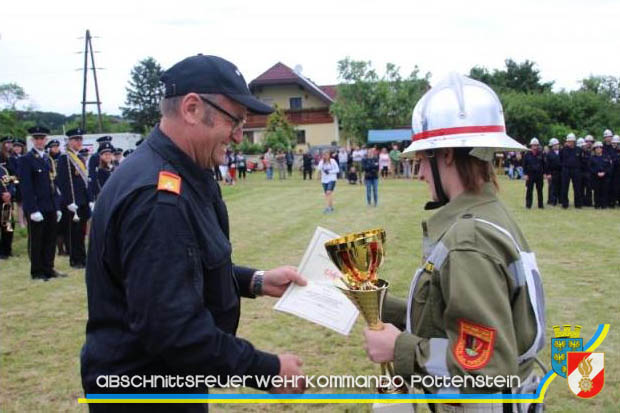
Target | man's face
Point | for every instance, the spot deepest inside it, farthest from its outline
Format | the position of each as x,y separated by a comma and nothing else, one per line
598,150
608,140
75,143
216,132
7,146
39,142
54,150
118,156
556,147
17,149
570,144
535,148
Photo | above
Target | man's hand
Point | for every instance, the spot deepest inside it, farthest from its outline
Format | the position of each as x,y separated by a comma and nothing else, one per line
6,197
290,366
58,216
91,205
276,281
72,207
601,174
380,343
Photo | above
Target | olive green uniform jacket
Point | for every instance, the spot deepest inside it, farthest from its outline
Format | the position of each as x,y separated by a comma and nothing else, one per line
470,311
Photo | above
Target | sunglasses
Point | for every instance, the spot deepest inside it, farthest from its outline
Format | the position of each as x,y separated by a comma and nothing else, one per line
237,122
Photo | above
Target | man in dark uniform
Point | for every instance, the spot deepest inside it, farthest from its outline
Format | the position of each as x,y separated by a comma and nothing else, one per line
570,159
163,293
76,200
18,151
307,165
118,156
600,168
41,205
553,170
586,181
615,182
53,150
610,153
93,161
7,196
103,170
533,168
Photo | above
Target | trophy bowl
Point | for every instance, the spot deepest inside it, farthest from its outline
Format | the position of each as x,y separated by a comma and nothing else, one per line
358,256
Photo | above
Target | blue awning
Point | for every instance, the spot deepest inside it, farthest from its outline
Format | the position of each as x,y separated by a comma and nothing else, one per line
388,135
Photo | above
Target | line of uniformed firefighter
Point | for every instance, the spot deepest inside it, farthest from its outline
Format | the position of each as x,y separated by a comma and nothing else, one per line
574,163
58,193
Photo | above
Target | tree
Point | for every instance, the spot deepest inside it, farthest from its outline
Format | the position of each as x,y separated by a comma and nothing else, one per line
519,77
279,133
111,124
10,94
143,95
367,101
608,86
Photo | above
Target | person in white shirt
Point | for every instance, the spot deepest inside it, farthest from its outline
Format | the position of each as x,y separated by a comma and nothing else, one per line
343,159
328,169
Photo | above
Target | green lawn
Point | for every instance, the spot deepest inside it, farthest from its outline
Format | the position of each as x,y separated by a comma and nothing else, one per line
42,324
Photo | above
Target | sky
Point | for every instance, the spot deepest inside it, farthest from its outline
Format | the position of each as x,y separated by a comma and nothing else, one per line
41,49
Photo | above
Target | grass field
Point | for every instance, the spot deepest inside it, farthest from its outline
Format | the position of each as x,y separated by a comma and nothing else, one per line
42,324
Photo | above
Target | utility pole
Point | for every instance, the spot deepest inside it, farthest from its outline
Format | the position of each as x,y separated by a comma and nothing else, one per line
88,49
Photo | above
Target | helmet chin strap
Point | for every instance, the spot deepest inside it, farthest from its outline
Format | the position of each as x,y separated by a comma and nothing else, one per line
441,195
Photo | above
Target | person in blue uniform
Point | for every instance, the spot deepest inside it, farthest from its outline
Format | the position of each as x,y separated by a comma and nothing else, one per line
76,200
7,196
17,151
53,150
117,157
586,181
615,181
103,170
600,168
570,159
163,292
533,170
610,153
553,170
93,161
41,202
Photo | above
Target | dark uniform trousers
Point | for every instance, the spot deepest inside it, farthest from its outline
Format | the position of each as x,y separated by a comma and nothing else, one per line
6,240
534,180
601,189
42,244
554,188
76,234
574,175
587,189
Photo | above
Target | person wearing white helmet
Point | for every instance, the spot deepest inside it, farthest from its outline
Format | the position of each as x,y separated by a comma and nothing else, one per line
612,151
570,159
534,169
476,305
601,168
553,172
586,181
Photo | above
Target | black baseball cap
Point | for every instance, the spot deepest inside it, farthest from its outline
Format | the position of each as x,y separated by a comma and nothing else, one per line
211,74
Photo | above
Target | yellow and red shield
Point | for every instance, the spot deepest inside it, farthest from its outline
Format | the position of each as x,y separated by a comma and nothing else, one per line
474,347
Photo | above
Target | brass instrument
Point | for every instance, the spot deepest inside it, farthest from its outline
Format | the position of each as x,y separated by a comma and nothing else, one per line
7,216
9,179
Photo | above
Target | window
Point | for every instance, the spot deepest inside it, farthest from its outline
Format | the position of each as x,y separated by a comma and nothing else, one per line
295,103
249,136
301,137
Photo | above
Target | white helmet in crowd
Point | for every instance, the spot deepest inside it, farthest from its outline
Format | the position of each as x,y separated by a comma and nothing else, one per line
554,141
580,142
615,139
589,138
534,141
460,112
607,133
597,144
571,137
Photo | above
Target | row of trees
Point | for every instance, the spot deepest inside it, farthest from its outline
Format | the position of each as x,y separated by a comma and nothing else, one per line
369,101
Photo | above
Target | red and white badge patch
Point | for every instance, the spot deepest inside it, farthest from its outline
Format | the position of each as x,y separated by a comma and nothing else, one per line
474,346
586,373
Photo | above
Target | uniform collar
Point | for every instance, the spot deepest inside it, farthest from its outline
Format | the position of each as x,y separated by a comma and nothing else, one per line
441,221
197,177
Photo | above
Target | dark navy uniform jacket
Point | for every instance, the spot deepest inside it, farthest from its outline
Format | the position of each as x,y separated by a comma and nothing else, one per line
93,167
68,176
552,162
163,293
600,164
571,157
99,178
39,192
533,165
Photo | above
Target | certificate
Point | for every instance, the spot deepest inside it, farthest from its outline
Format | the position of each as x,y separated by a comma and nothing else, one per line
319,301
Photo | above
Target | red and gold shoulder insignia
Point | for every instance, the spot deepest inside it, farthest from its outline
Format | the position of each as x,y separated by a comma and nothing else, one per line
169,182
474,346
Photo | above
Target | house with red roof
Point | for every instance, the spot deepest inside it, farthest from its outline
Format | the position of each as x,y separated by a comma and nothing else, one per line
306,105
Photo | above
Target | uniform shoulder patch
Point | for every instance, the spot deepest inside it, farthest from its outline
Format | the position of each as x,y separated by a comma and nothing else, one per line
169,182
474,347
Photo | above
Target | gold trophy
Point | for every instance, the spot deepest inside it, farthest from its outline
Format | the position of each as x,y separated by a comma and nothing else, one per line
358,256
